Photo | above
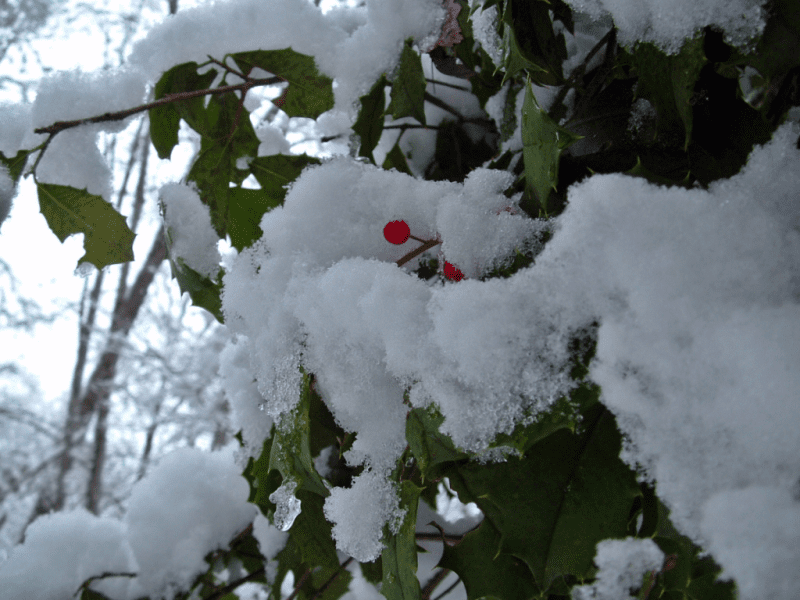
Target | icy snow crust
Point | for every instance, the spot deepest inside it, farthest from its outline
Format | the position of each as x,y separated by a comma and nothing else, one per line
666,23
189,224
697,294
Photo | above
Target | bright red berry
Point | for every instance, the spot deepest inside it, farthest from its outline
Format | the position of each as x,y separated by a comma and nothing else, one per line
396,232
452,272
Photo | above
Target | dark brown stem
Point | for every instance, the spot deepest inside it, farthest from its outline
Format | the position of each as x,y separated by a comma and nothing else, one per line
448,590
227,68
168,99
299,585
331,579
438,537
229,587
413,254
433,582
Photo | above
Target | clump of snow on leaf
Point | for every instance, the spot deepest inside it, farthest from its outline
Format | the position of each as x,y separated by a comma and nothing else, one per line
191,503
271,540
242,394
755,534
73,158
622,564
697,356
7,192
360,512
365,324
189,228
667,23
62,96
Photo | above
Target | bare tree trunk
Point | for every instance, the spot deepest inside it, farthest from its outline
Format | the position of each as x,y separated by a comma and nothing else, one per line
87,325
95,484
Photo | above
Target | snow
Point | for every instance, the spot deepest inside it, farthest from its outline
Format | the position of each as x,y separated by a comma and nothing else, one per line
755,533
450,507
360,512
188,223
191,503
622,564
61,551
667,23
271,540
7,192
697,294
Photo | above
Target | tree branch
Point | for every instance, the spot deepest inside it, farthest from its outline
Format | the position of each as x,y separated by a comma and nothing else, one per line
168,99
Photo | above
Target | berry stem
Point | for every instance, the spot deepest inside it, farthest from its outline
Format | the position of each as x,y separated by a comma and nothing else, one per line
426,245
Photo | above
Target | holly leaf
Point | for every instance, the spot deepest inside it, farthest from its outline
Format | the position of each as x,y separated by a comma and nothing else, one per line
165,119
107,238
309,94
291,446
543,141
203,291
15,164
408,88
553,506
369,124
429,446
247,206
399,558
484,570
395,159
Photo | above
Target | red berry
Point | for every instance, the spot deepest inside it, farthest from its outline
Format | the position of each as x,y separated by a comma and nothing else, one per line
396,232
452,272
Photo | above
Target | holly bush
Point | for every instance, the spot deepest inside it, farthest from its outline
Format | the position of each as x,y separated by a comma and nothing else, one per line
561,488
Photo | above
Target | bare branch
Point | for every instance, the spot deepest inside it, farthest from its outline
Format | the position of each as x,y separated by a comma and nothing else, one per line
168,99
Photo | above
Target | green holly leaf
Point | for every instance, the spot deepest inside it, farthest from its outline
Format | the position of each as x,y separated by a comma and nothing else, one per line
229,137
531,43
408,88
291,446
369,124
165,119
485,571
246,208
395,159
543,141
429,446
310,93
313,533
668,82
16,164
204,292
551,508
399,558
107,238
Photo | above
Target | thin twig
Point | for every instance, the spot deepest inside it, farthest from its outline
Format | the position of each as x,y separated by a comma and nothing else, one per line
227,68
229,587
458,87
433,582
168,99
448,590
438,537
299,585
414,253
331,579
